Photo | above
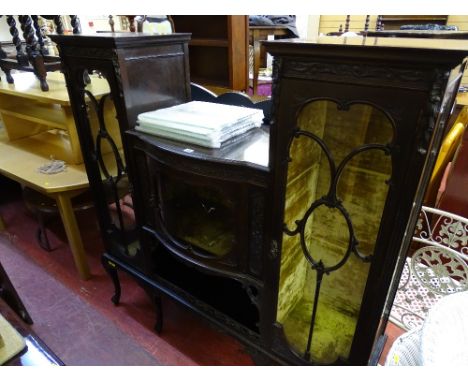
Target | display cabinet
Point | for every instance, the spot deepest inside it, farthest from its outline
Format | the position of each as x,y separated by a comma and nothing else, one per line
144,72
289,237
356,126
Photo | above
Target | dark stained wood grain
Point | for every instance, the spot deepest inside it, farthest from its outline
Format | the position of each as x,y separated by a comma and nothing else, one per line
238,290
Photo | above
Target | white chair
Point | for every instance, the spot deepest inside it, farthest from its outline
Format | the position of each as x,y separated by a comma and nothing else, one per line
436,266
441,341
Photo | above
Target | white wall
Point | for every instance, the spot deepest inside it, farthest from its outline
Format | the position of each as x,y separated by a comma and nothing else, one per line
5,29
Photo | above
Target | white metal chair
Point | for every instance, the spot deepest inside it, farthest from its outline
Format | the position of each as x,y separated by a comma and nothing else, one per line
437,266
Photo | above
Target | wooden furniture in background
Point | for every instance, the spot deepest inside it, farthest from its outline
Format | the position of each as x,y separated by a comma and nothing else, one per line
19,162
396,21
256,35
448,149
218,49
455,196
39,125
47,117
460,35
37,58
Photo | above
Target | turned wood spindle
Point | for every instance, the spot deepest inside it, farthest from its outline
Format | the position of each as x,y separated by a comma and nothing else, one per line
131,20
29,35
366,24
111,23
340,30
34,55
348,19
58,24
40,39
21,57
76,25
378,25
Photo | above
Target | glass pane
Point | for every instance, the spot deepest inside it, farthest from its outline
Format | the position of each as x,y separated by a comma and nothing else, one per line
199,215
107,142
338,172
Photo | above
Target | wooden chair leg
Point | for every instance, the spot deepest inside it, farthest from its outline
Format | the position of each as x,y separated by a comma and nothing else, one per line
34,56
2,224
8,75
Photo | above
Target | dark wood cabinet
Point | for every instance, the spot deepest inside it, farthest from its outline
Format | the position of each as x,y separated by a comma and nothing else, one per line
144,72
218,50
288,238
356,127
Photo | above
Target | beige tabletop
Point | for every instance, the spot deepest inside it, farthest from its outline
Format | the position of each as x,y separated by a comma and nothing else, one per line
27,86
20,160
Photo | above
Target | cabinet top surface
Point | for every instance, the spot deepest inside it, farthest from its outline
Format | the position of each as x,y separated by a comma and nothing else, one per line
251,148
27,86
381,42
415,49
438,34
119,39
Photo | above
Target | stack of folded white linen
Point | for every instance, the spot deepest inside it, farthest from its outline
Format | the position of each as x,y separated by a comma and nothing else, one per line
202,123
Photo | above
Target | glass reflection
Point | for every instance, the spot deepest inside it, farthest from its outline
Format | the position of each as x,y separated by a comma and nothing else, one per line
201,216
335,195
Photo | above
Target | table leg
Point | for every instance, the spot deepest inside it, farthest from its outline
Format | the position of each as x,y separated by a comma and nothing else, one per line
2,225
73,233
256,59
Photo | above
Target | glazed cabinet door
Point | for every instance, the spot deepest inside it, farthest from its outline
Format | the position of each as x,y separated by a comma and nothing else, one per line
348,157
203,227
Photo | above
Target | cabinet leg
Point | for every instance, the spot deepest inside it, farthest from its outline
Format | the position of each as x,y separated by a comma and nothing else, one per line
41,234
111,269
159,314
155,296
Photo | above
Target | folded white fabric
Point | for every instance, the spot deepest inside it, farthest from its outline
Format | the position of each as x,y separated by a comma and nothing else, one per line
202,123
